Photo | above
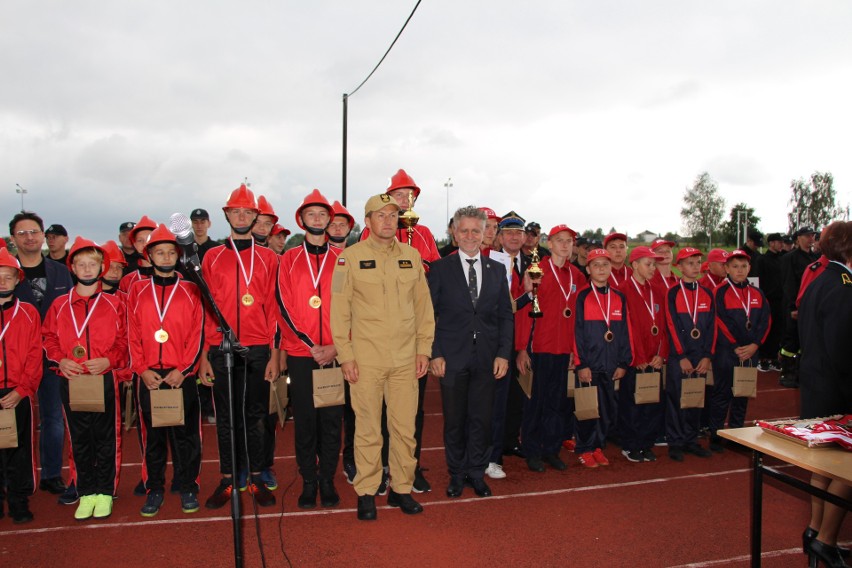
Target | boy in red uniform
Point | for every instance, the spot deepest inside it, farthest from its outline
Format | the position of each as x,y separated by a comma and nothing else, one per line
616,245
715,273
602,354
663,277
165,319
85,334
139,238
20,372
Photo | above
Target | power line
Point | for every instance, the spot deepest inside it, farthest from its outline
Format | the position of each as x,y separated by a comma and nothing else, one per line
389,49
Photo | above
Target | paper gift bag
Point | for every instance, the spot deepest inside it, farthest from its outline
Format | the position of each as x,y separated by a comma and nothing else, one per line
86,393
525,380
745,381
692,392
328,387
572,383
278,398
709,379
586,402
167,407
647,389
8,429
129,407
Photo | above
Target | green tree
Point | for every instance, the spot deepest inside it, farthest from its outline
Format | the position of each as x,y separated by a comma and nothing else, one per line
703,208
812,202
729,228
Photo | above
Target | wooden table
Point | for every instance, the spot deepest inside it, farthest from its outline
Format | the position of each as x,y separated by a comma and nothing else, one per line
832,462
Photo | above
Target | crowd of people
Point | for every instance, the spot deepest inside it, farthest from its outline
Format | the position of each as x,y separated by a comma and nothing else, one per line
514,331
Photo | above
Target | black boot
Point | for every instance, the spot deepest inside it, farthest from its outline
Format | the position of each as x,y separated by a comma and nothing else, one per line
789,372
308,498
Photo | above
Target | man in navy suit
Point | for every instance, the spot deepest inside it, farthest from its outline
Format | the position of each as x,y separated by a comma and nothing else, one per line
472,347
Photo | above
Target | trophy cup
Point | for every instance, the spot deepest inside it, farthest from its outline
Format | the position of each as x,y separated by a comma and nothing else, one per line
409,218
535,273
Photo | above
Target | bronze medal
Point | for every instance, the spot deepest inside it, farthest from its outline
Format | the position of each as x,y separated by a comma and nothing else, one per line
609,336
247,299
78,352
1,364
695,334
315,302
655,330
161,336
748,324
566,312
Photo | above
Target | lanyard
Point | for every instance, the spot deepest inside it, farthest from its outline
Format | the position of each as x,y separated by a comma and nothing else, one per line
747,304
314,280
8,323
246,278
694,312
650,307
162,314
710,278
556,275
612,275
606,315
79,330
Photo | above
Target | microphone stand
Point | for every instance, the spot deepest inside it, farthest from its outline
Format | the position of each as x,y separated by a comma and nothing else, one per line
229,346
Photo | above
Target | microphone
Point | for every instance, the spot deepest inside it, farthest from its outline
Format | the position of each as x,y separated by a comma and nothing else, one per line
181,228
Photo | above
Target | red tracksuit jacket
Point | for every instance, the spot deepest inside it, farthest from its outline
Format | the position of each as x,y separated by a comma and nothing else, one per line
20,348
646,308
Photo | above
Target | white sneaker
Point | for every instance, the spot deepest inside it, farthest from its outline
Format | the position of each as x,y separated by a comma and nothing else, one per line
495,471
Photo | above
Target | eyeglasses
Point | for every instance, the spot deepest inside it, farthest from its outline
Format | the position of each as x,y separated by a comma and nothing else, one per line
29,232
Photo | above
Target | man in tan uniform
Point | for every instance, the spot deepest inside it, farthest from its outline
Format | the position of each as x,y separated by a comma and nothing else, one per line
383,326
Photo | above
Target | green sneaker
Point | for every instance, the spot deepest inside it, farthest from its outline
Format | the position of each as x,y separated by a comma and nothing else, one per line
103,506
86,507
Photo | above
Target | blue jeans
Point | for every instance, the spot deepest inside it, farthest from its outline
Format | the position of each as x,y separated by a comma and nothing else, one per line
52,424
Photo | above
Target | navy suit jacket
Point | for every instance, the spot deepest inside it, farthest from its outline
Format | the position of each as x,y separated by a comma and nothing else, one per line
457,319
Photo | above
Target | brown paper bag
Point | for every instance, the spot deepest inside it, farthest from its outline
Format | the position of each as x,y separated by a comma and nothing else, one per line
525,380
328,387
167,407
129,407
709,379
586,402
8,429
278,398
745,381
647,389
86,393
572,383
692,392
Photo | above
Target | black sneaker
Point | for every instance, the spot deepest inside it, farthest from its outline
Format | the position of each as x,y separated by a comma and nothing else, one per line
328,494
139,490
308,498
52,485
262,495
649,455
221,495
697,450
152,504
189,503
554,462
70,496
385,483
763,366
420,484
717,444
676,453
349,472
634,456
20,514
405,502
535,464
366,508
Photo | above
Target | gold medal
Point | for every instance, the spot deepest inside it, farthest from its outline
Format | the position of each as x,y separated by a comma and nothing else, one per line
78,352
247,300
315,302
655,330
695,334
566,312
609,336
161,336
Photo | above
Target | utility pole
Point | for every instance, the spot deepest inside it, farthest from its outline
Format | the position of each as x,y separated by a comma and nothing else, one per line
23,192
447,185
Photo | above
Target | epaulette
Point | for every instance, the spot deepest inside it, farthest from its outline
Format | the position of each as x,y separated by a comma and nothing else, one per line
815,265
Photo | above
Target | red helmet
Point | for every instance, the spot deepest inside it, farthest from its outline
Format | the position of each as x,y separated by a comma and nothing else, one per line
114,253
160,235
339,209
241,198
402,180
266,208
314,198
6,259
81,243
144,224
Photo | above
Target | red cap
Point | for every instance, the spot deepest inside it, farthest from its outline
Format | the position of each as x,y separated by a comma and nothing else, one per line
6,259
613,236
687,252
3,243
717,255
560,228
160,235
402,180
490,214
739,253
265,208
144,224
241,198
313,198
339,209
643,252
597,253
705,266
114,253
660,242
81,243
279,229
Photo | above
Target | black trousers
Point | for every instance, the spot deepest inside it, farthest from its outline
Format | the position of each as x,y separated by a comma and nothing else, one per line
184,442
17,466
317,430
95,441
251,408
591,434
682,424
639,424
723,404
467,397
543,427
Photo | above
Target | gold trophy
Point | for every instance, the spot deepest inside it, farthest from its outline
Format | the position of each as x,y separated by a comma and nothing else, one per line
535,273
409,218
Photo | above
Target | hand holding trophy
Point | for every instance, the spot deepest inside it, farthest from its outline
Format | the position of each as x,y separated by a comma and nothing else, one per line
535,273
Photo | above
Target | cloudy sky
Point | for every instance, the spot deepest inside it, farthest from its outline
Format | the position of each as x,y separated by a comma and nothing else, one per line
594,114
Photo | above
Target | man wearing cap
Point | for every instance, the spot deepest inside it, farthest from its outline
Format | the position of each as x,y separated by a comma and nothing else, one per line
383,325
794,265
772,286
473,343
691,323
544,345
56,237
200,227
44,281
131,255
532,239
616,245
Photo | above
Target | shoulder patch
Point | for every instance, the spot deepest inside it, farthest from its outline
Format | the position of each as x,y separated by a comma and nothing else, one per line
341,261
367,264
406,264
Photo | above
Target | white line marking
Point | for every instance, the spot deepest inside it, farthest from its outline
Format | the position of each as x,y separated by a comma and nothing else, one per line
745,558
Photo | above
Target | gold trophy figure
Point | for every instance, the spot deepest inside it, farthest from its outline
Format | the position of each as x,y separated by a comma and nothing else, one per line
409,218
535,273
